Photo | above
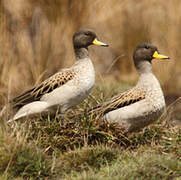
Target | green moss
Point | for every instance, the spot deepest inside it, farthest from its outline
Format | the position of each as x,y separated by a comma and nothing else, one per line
19,158
133,165
85,158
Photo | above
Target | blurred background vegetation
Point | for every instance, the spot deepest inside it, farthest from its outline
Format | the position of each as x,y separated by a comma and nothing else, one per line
36,39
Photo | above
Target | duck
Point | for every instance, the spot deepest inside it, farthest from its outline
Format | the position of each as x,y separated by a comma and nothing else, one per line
141,105
66,88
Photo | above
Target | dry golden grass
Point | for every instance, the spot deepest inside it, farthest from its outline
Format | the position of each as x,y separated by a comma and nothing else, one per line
36,39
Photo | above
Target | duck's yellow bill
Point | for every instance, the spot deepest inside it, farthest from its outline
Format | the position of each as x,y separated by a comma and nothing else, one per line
156,55
99,43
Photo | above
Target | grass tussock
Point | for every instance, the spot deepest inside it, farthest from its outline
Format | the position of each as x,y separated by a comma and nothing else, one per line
153,152
86,148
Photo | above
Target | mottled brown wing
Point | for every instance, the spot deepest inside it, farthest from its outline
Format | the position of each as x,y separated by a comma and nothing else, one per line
123,99
45,87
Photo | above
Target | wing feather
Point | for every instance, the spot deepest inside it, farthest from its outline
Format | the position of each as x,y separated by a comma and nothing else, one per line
45,87
121,100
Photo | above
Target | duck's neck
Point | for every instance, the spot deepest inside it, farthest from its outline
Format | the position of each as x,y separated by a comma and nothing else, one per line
146,78
144,67
81,53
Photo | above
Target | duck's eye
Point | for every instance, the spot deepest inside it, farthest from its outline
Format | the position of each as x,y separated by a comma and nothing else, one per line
87,33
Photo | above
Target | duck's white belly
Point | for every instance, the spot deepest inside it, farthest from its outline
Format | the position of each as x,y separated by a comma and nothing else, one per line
137,115
67,96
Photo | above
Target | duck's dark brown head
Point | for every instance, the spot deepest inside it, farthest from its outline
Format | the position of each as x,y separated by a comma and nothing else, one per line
86,37
143,54
147,51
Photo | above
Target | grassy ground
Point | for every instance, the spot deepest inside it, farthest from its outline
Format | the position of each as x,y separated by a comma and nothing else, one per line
82,148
